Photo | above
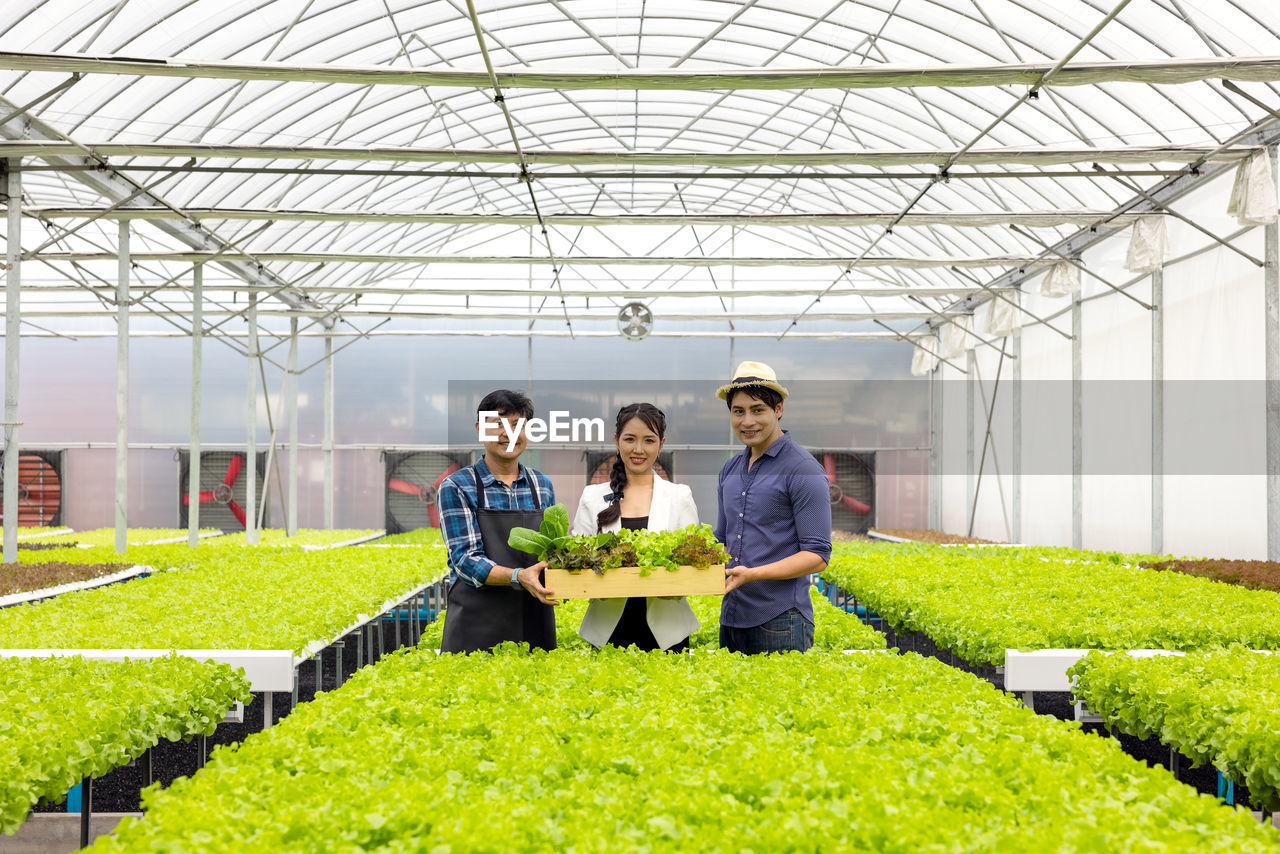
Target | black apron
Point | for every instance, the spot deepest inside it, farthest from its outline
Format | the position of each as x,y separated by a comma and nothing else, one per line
480,618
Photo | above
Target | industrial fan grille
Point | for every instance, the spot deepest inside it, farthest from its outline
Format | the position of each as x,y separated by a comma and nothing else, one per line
851,481
412,484
223,483
39,488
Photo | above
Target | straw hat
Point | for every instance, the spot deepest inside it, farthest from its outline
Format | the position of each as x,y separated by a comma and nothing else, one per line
751,374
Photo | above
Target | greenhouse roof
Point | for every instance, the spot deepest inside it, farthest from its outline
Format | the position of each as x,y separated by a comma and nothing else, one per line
514,167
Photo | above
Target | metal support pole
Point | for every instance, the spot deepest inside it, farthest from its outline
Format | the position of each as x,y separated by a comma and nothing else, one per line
936,384
12,340
251,442
197,392
292,369
1015,342
1271,281
339,646
267,711
319,671
1157,413
327,440
122,389
1077,426
970,386
86,810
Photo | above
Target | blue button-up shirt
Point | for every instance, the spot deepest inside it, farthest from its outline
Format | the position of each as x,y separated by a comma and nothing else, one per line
778,507
457,502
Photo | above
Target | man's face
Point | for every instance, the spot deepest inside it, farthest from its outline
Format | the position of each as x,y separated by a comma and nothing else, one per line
754,422
505,426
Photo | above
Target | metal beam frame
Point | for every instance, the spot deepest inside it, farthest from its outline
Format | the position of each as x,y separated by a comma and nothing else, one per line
291,372
955,219
197,398
1271,280
115,187
1175,71
12,351
251,438
1157,412
1077,423
904,262
624,294
995,156
122,389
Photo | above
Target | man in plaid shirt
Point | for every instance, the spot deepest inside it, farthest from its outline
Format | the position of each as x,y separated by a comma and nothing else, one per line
496,592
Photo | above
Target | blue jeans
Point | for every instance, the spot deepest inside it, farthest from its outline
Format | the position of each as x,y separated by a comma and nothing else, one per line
784,633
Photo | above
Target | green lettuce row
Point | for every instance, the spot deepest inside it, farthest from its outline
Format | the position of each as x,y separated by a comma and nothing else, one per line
134,536
416,537
65,719
833,629
978,602
304,537
223,598
1221,706
624,751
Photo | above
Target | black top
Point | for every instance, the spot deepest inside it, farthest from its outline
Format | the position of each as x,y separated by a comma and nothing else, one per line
635,523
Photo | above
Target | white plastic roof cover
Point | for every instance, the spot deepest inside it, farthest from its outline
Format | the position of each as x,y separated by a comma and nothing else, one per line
926,123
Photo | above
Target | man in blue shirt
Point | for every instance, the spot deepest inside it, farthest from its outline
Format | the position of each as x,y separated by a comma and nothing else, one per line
495,591
774,518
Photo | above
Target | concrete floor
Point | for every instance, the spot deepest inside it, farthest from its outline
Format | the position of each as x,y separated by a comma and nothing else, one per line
58,833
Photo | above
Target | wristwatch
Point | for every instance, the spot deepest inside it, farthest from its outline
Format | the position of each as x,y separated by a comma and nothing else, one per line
515,577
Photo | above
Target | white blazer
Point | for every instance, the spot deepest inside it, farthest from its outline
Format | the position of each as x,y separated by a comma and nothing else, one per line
670,620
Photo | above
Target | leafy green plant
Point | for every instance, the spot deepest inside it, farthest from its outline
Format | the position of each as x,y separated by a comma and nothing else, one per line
416,537
223,598
711,752
1221,706
693,545
64,719
980,601
834,629
552,533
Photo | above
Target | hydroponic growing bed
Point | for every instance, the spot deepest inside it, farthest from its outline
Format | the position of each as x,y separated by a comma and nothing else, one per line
66,719
622,750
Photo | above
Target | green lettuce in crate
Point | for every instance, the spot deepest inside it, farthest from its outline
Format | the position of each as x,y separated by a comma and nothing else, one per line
553,532
693,545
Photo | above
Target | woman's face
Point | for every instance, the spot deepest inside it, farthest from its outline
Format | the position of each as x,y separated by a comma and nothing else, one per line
638,446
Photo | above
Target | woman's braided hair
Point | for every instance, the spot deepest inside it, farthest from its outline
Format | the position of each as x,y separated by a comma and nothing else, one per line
653,419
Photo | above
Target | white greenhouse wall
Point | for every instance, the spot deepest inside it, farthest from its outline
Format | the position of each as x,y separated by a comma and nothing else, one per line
1214,488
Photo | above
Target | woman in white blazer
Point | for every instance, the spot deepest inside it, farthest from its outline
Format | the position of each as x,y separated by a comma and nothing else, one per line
635,497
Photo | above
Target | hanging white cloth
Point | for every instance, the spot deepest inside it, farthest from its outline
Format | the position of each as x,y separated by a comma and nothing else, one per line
925,357
1000,316
956,337
1253,196
1062,280
1148,244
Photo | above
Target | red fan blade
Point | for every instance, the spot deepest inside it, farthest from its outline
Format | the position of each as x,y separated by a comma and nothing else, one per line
404,486
432,513
239,513
203,497
855,505
829,463
233,470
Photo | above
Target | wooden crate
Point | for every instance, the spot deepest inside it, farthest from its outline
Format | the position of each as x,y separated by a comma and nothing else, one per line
626,581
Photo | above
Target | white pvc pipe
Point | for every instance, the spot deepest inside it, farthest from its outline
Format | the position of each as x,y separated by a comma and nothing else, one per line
12,340
197,392
251,439
122,390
